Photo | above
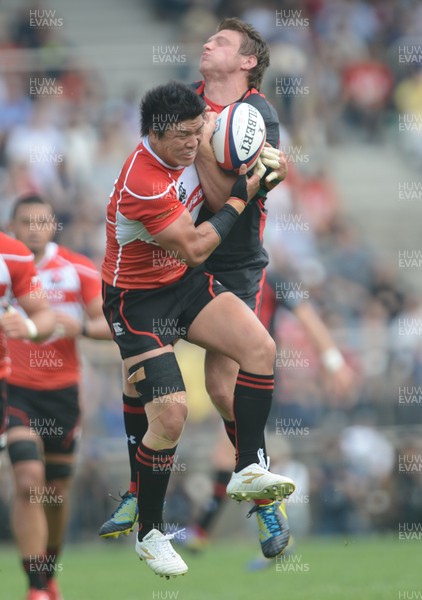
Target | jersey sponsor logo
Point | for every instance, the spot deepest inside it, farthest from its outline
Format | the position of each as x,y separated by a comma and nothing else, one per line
182,193
118,329
196,198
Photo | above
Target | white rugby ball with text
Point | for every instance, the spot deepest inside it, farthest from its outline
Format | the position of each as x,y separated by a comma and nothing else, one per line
239,136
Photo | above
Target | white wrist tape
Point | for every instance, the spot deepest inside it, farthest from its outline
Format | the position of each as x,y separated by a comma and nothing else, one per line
32,329
332,359
59,330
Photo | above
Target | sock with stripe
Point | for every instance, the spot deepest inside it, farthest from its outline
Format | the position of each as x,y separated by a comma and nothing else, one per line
153,473
136,425
230,427
252,403
216,503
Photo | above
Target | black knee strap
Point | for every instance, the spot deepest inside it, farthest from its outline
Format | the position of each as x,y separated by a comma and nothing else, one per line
162,377
58,471
22,450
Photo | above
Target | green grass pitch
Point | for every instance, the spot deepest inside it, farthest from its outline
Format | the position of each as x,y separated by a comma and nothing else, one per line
323,569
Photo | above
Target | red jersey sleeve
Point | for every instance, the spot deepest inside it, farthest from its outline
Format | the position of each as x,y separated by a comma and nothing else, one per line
88,275
20,263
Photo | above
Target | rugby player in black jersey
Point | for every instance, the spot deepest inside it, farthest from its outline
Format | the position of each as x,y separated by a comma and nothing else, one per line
233,64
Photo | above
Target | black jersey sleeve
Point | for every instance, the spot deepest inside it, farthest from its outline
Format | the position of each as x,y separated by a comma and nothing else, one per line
269,115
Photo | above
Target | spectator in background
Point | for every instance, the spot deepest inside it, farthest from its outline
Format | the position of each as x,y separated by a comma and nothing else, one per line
336,509
15,106
408,481
367,85
408,101
40,145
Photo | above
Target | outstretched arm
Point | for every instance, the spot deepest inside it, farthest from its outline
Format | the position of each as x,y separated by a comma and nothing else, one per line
340,376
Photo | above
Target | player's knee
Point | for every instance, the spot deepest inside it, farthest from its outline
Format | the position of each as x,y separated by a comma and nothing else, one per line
28,467
270,348
265,352
172,420
57,492
29,480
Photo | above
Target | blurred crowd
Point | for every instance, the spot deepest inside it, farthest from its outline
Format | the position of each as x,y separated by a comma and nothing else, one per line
335,74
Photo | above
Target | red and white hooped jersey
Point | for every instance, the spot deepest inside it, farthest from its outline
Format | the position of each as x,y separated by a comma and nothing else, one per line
147,197
18,277
70,281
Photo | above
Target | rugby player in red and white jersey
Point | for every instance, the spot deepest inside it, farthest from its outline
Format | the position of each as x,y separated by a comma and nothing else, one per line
150,304
43,413
233,63
19,280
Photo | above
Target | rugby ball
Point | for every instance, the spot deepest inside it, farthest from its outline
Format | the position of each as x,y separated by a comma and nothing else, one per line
239,136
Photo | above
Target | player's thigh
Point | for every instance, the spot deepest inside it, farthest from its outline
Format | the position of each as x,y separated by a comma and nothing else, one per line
129,389
62,424
227,326
140,357
144,322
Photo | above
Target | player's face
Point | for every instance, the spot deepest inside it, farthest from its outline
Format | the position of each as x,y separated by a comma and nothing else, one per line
179,145
221,54
34,225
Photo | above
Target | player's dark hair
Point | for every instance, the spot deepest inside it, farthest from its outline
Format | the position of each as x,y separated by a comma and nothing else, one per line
252,44
167,104
27,200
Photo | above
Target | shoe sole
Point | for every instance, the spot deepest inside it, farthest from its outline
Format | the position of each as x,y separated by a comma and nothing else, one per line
273,554
277,491
116,534
162,574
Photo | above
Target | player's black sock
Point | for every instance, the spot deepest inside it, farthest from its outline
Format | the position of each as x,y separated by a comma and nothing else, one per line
153,473
51,560
136,425
252,402
214,506
34,569
230,427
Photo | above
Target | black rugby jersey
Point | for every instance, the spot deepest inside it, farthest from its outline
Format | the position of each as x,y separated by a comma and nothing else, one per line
243,245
